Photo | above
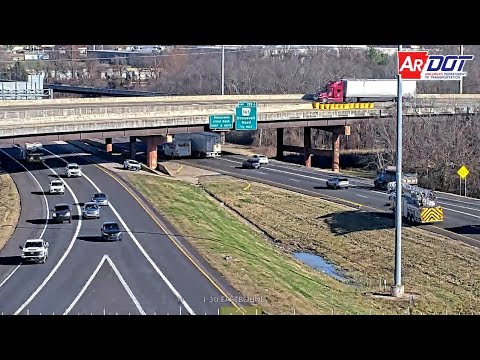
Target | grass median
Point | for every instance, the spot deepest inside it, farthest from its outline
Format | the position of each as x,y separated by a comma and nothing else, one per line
9,208
257,268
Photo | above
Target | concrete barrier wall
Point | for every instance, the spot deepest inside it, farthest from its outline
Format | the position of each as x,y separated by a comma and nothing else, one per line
193,99
32,126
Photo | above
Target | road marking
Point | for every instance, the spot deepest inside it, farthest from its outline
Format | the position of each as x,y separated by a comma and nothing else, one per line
285,172
457,201
164,230
119,276
304,171
296,180
362,196
46,215
261,172
67,251
460,206
132,236
461,212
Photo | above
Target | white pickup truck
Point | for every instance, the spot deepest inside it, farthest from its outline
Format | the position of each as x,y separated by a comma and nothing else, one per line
73,169
35,250
57,187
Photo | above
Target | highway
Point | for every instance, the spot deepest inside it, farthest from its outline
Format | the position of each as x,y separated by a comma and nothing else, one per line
146,273
45,105
461,215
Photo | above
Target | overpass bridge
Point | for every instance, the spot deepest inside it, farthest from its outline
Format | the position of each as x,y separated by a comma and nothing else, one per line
153,118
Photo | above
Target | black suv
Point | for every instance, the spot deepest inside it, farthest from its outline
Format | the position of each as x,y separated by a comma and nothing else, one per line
252,163
111,231
61,213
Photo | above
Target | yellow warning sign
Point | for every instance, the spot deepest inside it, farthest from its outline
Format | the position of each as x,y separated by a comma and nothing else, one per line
431,215
463,172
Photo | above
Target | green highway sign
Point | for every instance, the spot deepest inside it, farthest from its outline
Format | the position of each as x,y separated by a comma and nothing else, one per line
221,122
247,104
246,116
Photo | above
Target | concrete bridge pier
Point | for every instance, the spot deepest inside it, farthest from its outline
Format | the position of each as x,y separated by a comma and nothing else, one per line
336,132
279,143
109,145
133,147
152,143
307,146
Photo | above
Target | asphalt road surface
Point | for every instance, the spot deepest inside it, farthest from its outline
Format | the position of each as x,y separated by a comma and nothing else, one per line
146,273
461,215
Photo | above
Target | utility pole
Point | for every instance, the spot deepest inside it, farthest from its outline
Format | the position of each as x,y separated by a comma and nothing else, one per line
461,78
223,69
398,289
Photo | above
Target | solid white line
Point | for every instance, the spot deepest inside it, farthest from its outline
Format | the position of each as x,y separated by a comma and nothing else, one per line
90,279
457,201
463,213
65,254
302,170
460,206
127,288
149,259
366,197
46,208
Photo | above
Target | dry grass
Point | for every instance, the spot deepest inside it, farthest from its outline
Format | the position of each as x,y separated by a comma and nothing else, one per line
256,268
444,272
9,208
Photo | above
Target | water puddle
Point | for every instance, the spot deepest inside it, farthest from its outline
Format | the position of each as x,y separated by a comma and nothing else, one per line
318,263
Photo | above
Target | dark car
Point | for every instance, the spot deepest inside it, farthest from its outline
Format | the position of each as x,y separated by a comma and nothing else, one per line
61,213
252,163
111,231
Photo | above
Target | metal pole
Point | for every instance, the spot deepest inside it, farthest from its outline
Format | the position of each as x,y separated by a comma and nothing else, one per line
461,78
223,69
398,289
460,185
465,181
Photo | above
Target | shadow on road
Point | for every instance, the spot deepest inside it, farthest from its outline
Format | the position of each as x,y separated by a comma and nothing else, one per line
465,230
10,260
41,221
40,193
91,238
352,221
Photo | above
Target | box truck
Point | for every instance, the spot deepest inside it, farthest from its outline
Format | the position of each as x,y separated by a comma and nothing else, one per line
361,90
204,144
177,148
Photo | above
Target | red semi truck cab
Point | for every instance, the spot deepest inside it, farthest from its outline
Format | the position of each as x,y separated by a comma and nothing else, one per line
359,90
332,92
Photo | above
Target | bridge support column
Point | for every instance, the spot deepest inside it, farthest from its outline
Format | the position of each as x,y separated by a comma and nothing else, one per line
152,145
133,147
279,143
109,145
336,132
307,145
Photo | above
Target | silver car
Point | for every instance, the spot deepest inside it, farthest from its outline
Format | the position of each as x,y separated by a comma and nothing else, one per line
100,199
91,211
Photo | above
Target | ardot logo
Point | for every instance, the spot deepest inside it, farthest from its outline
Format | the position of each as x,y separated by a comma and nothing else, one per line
418,65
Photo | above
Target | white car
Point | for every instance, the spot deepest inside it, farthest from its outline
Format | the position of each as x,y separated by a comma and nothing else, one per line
100,199
73,169
261,158
132,165
35,250
337,183
57,187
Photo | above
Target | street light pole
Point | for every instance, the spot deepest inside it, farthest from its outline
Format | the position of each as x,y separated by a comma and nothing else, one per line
398,289
223,69
461,78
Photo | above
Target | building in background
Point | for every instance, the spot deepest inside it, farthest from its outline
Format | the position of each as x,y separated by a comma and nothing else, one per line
32,89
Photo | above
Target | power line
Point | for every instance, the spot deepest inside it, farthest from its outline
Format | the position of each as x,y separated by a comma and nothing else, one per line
213,52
